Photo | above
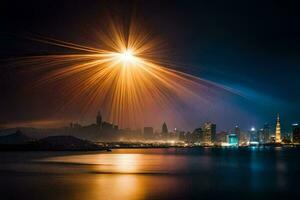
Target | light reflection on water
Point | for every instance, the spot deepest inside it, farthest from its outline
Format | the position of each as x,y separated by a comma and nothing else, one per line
118,187
127,163
150,174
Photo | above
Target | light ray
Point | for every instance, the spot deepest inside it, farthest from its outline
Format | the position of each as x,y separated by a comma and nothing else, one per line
123,79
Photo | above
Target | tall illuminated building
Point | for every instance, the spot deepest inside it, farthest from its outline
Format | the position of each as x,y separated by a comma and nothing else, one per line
264,134
254,136
196,136
237,131
233,140
278,131
296,133
209,133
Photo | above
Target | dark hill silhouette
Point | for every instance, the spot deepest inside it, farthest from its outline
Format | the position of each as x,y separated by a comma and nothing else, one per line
15,138
19,141
66,143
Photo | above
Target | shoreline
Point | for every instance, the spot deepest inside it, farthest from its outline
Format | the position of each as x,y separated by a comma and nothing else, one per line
26,148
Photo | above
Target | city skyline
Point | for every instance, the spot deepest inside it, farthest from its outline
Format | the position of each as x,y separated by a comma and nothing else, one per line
157,127
205,133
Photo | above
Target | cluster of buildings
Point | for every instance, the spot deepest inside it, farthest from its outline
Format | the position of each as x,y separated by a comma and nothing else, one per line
205,135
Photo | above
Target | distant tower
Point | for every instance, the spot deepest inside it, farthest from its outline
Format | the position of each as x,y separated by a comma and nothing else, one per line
164,128
99,120
254,136
278,131
237,131
296,133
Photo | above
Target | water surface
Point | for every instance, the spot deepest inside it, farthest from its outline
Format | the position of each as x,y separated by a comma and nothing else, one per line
194,173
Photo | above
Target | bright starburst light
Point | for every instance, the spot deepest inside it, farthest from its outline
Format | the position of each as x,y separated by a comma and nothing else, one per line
125,78
127,56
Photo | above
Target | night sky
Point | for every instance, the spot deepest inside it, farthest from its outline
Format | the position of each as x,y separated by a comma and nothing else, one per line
252,47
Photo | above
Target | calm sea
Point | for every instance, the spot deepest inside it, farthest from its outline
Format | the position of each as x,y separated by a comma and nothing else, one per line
174,173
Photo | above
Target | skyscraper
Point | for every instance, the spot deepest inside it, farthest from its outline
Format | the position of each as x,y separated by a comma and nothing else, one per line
196,136
99,120
165,131
254,136
296,133
164,128
233,140
278,131
209,133
237,131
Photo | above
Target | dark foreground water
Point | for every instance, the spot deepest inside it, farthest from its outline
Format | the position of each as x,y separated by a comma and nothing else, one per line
152,174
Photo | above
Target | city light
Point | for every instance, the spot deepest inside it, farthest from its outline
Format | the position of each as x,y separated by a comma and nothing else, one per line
254,143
